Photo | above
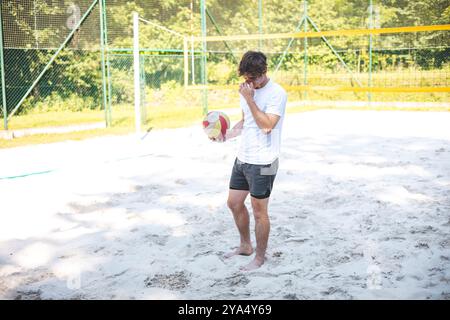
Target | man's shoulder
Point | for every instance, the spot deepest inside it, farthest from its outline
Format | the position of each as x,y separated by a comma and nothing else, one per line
276,87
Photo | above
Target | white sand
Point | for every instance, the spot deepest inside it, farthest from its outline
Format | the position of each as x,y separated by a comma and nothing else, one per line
360,210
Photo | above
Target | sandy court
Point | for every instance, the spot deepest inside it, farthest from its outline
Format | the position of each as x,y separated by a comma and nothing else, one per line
360,210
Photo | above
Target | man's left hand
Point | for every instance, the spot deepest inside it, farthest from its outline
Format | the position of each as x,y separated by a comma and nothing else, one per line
247,90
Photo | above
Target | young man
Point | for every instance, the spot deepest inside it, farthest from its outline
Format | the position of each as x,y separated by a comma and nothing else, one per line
263,104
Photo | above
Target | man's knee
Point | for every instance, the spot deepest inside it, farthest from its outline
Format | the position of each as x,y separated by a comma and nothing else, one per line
235,205
259,207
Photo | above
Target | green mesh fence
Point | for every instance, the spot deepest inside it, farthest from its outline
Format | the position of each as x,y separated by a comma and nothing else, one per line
161,59
311,69
164,95
164,100
403,67
33,32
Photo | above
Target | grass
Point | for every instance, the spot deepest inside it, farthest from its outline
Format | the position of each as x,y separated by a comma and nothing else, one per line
49,138
384,108
123,123
51,119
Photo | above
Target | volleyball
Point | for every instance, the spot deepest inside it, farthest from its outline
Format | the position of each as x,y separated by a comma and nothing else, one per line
216,124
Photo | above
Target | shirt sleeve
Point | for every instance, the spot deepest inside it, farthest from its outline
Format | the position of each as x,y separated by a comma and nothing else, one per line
277,104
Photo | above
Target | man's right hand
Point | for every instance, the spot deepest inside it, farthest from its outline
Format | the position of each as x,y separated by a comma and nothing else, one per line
218,139
231,133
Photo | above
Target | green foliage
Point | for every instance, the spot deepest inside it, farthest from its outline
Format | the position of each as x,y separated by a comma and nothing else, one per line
74,82
221,72
122,87
171,94
56,102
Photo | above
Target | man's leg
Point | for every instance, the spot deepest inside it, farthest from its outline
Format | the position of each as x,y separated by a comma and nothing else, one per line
262,230
236,199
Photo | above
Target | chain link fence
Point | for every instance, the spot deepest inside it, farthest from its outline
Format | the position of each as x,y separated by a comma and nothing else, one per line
52,62
404,69
64,38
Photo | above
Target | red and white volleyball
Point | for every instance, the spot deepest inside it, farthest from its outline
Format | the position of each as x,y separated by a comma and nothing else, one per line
216,124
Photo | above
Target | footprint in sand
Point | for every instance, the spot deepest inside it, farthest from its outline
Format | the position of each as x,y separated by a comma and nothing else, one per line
277,254
29,295
233,281
157,239
174,281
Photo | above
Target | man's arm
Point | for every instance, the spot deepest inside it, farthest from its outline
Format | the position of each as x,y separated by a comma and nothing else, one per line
265,121
236,130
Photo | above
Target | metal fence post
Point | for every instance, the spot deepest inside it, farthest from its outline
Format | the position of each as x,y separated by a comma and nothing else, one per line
137,86
2,70
108,65
369,95
185,62
203,64
102,55
305,59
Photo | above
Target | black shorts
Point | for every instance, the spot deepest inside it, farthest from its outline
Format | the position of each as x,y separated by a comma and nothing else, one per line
258,179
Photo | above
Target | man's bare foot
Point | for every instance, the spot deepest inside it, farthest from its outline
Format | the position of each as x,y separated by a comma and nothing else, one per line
242,250
255,264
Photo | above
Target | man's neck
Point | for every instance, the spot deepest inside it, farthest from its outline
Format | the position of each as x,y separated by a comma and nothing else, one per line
264,83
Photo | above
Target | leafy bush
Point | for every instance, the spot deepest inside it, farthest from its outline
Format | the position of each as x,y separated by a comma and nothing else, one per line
222,72
55,102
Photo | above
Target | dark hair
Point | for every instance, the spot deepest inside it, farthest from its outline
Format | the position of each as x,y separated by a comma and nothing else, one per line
253,63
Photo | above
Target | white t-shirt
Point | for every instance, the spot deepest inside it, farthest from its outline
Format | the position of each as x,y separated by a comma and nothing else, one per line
258,147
